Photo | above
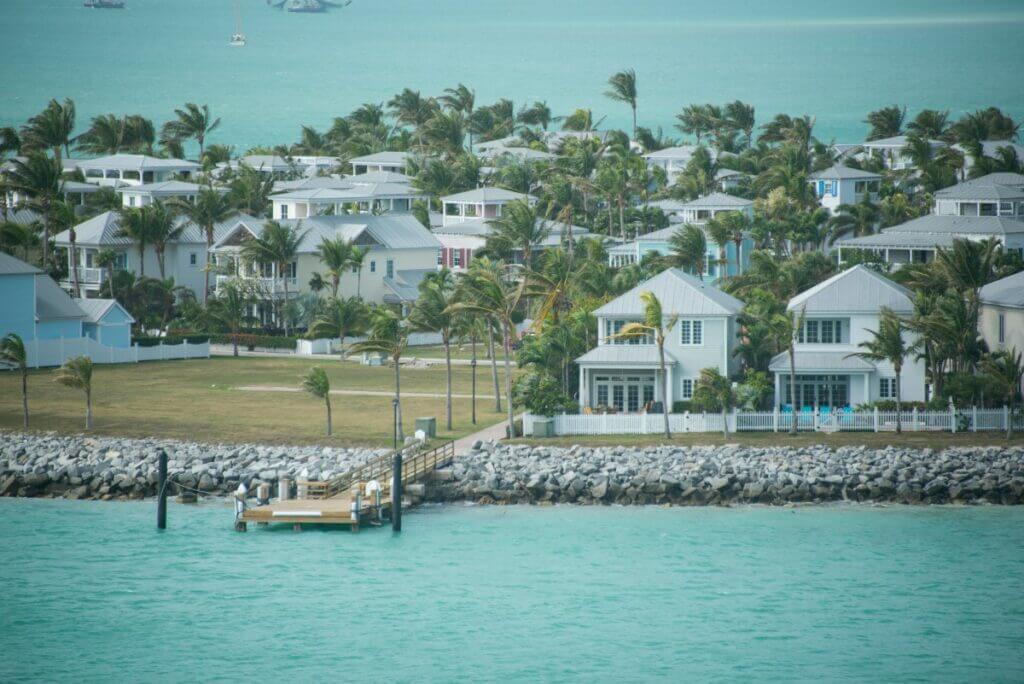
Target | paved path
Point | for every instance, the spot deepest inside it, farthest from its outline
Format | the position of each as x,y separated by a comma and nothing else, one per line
358,392
492,433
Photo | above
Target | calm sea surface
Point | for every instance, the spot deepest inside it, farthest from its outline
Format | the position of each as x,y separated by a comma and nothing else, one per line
833,60
91,591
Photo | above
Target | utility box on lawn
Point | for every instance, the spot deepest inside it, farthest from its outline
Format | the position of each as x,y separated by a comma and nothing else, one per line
543,427
428,425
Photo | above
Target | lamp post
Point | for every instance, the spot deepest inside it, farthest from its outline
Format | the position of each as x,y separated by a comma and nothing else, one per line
396,475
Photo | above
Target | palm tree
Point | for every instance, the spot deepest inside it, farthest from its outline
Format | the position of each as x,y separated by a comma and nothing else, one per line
494,290
39,177
537,114
231,308
718,389
787,326
858,219
460,99
336,255
357,258
518,228
64,218
317,384
209,208
342,317
740,117
279,245
930,124
388,334
106,135
135,224
689,248
693,120
76,373
623,89
720,233
412,109
163,228
1006,370
251,189
656,324
13,353
887,345
886,122
432,314
193,121
51,129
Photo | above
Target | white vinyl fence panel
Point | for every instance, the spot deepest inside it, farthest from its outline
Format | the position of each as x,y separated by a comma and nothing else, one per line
43,353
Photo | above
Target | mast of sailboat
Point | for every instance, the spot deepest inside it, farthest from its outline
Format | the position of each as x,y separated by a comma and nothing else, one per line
238,19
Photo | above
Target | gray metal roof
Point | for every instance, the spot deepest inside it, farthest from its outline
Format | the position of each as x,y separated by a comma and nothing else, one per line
678,152
355,193
24,216
679,293
957,225
1015,180
393,158
102,230
668,205
486,195
717,200
267,162
722,174
405,286
312,183
96,309
820,361
1008,291
10,265
166,188
393,231
895,142
840,172
983,189
371,177
624,355
137,162
855,290
53,302
76,187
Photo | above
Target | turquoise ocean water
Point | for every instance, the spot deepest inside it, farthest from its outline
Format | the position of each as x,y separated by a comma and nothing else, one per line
91,591
833,60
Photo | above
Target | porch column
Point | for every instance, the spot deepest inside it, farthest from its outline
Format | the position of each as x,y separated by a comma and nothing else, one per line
669,383
584,397
778,390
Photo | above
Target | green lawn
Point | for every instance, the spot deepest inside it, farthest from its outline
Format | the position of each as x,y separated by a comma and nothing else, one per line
197,400
935,440
458,352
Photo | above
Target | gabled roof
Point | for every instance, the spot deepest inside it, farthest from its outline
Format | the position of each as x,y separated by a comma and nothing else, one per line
855,290
718,200
668,205
101,230
679,293
624,355
96,309
171,187
10,265
312,183
722,174
392,231
392,158
53,302
486,195
137,162
983,189
940,230
1014,180
481,227
840,172
677,152
1008,291
24,216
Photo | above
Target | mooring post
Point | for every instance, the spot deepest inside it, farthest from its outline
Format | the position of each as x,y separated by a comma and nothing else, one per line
161,502
240,507
396,492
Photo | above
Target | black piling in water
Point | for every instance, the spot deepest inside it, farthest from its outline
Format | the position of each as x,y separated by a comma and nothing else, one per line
396,492
161,503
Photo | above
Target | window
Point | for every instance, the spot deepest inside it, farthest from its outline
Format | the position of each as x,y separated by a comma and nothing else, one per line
440,257
887,388
1002,329
828,331
193,259
131,200
284,211
687,392
614,327
457,258
1006,208
691,333
602,395
391,268
121,261
292,270
373,266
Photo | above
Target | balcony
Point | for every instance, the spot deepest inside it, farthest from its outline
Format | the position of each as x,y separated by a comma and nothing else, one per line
90,278
269,286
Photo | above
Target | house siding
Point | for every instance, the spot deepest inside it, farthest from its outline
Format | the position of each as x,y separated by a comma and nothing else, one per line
17,315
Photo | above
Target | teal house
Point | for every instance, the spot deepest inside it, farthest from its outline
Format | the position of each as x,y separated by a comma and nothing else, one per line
107,322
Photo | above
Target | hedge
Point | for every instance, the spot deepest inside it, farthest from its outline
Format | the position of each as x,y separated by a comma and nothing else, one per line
148,341
251,341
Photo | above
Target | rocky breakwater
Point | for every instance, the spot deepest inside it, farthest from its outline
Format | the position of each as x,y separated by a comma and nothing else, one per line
80,467
732,474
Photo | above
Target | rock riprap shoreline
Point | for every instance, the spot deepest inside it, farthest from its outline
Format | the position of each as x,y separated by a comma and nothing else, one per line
84,467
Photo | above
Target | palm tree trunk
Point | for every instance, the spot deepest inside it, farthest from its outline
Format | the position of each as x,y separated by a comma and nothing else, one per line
359,283
24,396
899,402
472,365
88,409
74,263
665,408
448,381
284,319
327,399
792,386
398,399
206,266
46,234
494,367
506,333
142,260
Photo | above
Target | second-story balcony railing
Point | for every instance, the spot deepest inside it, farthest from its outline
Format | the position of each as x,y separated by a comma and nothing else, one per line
89,276
273,286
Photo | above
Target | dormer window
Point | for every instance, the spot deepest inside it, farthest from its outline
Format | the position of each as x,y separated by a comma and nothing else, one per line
821,331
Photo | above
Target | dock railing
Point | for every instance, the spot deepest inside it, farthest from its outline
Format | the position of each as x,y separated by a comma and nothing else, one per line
418,461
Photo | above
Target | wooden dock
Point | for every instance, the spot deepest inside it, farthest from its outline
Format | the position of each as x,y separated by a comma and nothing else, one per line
345,500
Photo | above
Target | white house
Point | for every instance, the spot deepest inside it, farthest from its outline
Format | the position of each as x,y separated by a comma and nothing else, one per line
918,239
838,185
134,169
704,208
358,198
1001,319
397,162
659,242
893,151
142,195
184,259
484,203
673,160
995,194
397,244
729,179
461,241
625,373
839,314
991,149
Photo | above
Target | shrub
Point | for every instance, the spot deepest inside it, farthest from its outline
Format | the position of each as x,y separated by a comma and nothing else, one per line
251,341
150,341
541,395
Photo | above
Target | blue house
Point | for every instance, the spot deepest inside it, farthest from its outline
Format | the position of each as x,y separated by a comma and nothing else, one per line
107,322
658,242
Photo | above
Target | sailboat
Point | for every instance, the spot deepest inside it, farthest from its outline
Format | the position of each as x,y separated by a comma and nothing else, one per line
238,38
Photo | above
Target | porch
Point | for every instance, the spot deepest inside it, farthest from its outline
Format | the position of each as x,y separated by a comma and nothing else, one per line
616,378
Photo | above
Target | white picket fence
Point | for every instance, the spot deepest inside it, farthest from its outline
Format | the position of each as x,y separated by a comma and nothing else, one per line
325,345
42,353
960,420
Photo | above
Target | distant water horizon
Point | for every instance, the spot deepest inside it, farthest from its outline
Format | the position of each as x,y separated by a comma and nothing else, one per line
835,63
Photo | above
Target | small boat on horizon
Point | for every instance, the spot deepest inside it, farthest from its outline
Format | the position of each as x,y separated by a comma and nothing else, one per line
104,4
237,38
307,6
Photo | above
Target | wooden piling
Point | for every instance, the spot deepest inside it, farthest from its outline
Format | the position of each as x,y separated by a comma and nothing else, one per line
396,492
161,503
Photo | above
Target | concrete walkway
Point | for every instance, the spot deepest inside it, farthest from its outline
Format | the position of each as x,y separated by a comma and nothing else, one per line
492,433
368,393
